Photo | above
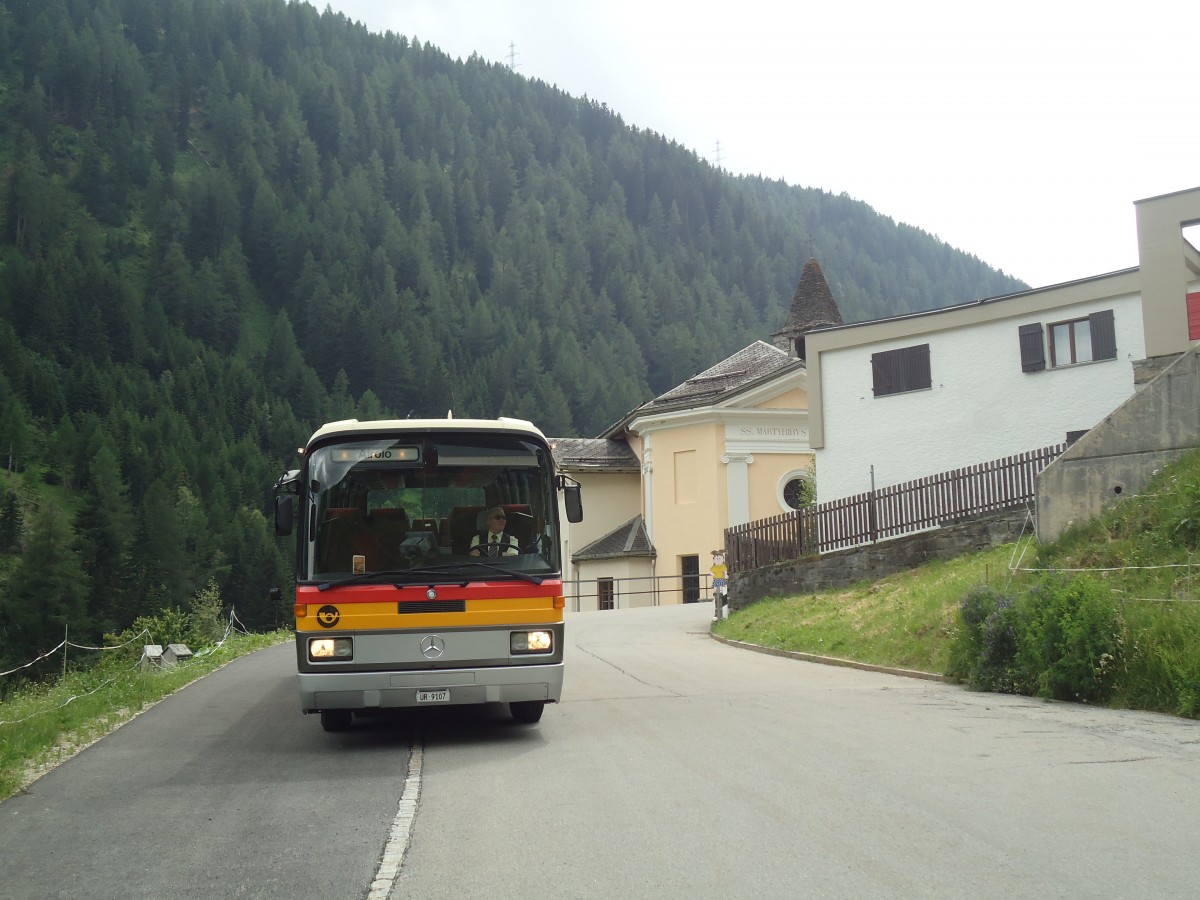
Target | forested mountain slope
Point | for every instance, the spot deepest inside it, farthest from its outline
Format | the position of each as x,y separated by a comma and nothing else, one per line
222,223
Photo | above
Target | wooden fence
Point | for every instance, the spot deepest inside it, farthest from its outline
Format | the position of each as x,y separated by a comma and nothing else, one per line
888,512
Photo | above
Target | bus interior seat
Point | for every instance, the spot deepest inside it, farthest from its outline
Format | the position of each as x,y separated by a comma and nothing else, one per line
461,527
391,527
345,534
519,523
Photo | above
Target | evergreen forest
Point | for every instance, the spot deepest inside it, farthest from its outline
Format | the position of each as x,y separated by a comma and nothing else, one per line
224,223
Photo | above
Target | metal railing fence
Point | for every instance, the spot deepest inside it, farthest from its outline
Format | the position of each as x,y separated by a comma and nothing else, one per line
883,513
651,590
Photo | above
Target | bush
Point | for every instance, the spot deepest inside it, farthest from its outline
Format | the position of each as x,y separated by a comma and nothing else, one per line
206,624
1064,639
170,626
1076,639
201,627
986,648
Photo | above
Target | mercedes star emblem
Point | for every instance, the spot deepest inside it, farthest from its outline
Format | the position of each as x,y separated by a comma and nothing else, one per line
432,646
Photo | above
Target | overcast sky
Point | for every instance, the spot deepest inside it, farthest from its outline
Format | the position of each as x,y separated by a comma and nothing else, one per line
1020,131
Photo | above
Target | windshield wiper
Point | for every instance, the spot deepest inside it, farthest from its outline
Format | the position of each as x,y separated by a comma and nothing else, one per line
416,576
408,577
365,578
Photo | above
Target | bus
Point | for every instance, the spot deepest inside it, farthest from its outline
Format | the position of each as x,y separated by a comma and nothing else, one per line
396,605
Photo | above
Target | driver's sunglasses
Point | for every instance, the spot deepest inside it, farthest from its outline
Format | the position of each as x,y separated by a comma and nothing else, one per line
501,517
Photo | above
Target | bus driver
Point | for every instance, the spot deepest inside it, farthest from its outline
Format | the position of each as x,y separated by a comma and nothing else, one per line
495,541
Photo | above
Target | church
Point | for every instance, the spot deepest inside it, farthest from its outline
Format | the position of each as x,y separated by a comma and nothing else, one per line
727,446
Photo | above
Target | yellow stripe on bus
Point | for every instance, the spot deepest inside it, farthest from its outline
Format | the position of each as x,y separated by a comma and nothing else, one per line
385,616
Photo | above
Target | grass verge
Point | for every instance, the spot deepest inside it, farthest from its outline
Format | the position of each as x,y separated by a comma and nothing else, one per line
906,621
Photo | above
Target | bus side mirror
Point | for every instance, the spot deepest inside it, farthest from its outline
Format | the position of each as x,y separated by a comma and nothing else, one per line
574,502
284,514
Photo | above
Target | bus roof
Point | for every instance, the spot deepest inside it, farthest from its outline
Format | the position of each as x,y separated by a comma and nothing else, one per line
350,427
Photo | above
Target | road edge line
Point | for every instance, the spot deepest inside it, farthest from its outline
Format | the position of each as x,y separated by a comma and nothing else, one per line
401,832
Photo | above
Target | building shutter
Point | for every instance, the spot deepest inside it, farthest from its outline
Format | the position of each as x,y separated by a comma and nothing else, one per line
883,374
919,375
1104,335
1193,316
896,371
1033,348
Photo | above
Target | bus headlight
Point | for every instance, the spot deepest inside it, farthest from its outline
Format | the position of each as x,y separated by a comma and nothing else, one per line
531,641
323,649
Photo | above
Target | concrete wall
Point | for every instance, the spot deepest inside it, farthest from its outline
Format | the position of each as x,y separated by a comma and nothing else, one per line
1167,267
1118,457
633,584
610,499
847,567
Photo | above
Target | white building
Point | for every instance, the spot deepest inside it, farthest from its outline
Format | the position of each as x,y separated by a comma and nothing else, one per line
897,399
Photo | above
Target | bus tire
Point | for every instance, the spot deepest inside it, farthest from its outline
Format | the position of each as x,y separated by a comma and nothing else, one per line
336,719
527,711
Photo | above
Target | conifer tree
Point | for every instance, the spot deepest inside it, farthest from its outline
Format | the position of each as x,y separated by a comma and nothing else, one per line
47,592
105,536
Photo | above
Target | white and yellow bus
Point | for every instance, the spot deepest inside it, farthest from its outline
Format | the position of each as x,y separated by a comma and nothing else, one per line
396,605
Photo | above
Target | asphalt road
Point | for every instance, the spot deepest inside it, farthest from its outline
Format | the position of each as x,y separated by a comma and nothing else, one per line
675,766
222,790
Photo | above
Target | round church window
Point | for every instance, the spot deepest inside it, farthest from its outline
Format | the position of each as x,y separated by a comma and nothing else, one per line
798,493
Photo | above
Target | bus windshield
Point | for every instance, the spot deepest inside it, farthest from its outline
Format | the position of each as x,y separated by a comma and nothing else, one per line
390,504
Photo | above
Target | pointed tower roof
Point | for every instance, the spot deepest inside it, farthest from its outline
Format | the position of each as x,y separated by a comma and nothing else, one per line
813,307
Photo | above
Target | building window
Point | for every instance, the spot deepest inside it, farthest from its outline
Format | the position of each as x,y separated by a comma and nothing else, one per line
1193,316
1083,340
898,371
797,491
1071,342
605,594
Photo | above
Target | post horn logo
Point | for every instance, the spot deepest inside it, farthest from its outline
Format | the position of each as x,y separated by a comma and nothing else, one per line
328,616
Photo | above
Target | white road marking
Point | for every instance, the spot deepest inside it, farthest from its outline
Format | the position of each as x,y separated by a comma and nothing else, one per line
397,844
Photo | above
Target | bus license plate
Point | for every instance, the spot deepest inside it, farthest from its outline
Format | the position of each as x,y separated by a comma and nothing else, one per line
433,696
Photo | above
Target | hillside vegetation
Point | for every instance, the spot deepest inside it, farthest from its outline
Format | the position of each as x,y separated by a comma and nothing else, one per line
1108,614
224,223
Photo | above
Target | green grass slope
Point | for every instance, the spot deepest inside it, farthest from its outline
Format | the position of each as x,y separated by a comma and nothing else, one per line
1108,614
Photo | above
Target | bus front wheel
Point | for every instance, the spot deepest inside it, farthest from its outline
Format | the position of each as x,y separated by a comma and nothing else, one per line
527,711
335,719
